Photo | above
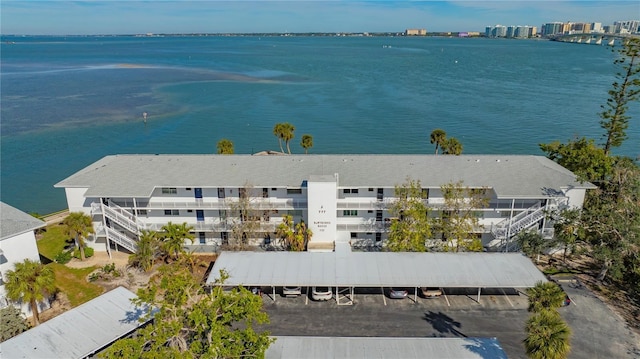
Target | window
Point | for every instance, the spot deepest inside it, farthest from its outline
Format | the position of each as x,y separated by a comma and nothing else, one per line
142,212
169,190
225,237
350,190
370,189
265,193
294,190
188,188
354,235
171,212
189,211
370,211
354,190
220,192
222,213
350,213
425,193
242,192
274,189
378,236
202,238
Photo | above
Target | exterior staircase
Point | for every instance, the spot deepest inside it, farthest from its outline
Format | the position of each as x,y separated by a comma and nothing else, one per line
118,215
504,231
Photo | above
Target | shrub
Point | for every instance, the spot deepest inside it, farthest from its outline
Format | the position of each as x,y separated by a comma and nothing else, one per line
63,257
88,252
11,323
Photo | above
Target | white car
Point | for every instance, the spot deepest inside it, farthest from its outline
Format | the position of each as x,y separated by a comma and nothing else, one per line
291,291
321,293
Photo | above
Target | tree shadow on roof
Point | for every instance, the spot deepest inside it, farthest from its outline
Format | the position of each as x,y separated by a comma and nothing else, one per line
444,324
488,348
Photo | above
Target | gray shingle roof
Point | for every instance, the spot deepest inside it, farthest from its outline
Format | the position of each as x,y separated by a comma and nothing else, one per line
377,269
137,175
13,221
79,332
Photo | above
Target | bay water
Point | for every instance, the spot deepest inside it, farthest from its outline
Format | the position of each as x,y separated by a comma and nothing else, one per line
68,101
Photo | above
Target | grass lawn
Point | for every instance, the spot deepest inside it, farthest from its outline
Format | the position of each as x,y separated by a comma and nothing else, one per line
73,282
53,241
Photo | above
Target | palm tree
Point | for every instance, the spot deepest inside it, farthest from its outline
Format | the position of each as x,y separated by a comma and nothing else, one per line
146,252
451,146
79,226
287,134
306,143
225,147
547,336
174,236
30,281
437,137
545,296
278,131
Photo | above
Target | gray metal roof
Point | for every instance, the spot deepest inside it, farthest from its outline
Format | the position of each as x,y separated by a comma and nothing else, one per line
79,332
289,347
137,175
13,221
378,269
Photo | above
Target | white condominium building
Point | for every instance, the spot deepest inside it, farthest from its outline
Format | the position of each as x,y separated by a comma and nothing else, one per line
342,198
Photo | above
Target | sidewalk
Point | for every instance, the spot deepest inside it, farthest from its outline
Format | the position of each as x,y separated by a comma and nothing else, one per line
100,259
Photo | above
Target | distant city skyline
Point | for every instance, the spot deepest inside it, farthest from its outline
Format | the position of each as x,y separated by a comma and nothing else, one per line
207,16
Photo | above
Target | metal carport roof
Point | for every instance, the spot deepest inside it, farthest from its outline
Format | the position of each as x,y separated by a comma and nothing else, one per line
81,331
290,347
380,269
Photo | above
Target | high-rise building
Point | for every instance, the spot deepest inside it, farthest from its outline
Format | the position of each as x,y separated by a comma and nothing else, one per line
626,27
533,31
552,28
511,31
596,27
496,31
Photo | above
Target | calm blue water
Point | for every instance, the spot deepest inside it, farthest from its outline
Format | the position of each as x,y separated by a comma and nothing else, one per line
67,102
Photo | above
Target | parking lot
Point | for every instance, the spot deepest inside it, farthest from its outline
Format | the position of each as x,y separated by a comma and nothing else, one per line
597,331
451,299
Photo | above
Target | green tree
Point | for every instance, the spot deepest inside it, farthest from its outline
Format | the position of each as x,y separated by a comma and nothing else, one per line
438,137
624,90
411,227
174,235
548,336
147,251
11,323
545,296
532,243
306,143
31,282
225,147
287,134
452,146
284,132
294,235
580,156
568,229
79,226
460,216
278,131
191,322
611,224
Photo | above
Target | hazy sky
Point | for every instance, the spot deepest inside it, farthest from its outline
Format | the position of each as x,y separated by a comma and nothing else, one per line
160,16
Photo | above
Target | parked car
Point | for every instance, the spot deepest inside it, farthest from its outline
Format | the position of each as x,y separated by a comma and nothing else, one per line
430,292
256,290
291,291
321,293
396,293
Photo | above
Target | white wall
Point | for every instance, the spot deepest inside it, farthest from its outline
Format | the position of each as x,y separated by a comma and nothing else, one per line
321,197
76,200
16,249
576,197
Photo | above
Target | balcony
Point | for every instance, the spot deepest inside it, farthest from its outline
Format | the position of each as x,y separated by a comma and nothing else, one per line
257,203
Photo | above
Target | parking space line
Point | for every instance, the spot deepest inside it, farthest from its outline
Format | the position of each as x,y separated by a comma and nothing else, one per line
445,296
383,298
506,296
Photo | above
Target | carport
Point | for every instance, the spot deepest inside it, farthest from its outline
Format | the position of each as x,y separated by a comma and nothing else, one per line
346,270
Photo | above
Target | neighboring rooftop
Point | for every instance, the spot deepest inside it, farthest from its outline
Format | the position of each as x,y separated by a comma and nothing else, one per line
511,176
377,269
79,332
14,222
290,347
